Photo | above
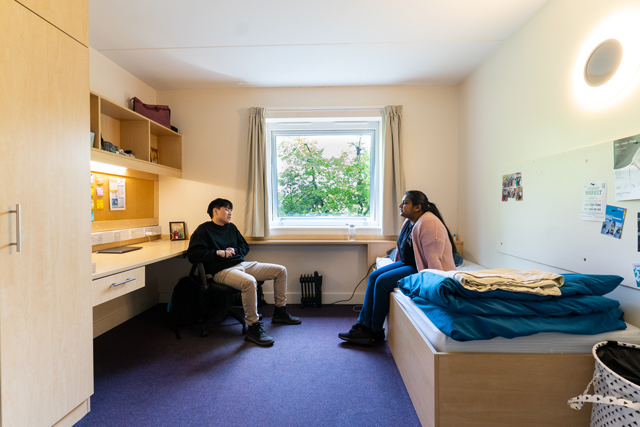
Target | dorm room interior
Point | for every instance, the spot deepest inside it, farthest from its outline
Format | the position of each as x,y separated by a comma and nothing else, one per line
523,111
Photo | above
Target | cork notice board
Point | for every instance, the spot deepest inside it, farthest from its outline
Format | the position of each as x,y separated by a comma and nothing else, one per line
141,202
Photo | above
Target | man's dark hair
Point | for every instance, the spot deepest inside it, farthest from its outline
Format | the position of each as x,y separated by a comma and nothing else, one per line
217,204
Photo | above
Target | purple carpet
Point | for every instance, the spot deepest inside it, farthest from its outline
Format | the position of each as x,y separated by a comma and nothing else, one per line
145,377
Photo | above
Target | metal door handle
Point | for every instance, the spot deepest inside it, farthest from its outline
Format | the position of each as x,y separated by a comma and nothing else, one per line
18,243
123,282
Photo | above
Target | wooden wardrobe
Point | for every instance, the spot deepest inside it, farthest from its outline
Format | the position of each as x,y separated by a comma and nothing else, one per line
46,356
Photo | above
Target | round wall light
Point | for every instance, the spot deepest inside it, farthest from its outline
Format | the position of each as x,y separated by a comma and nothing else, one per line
608,62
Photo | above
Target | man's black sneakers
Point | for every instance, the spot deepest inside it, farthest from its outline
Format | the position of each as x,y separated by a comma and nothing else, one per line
257,335
281,315
358,334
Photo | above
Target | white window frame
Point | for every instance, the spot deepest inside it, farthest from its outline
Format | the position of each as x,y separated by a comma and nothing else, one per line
317,126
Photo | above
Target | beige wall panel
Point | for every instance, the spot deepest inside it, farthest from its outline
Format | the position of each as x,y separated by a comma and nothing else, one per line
71,16
115,83
46,361
214,124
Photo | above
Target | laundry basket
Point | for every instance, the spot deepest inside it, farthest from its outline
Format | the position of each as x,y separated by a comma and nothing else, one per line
616,385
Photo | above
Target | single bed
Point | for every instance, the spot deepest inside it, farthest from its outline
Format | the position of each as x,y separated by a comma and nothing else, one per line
525,381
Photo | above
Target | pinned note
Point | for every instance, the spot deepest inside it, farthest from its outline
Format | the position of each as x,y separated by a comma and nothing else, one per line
100,204
99,191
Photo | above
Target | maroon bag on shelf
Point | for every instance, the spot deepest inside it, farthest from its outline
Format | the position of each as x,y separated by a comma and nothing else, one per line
157,113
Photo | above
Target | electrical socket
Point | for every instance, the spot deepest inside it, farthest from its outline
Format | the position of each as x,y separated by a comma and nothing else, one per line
107,237
117,236
153,231
137,233
96,239
125,234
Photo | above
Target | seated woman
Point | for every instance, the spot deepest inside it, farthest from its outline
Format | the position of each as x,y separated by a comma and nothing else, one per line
424,242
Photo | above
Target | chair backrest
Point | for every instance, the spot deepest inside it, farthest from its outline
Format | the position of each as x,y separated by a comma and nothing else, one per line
205,285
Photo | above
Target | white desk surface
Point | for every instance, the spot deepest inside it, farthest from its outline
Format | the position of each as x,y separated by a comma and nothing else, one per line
157,250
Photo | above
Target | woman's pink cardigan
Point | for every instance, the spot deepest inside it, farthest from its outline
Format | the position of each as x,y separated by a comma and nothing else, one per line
431,244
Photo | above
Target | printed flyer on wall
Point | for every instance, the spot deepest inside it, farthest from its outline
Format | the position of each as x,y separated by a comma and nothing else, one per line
636,273
626,168
117,198
614,221
594,201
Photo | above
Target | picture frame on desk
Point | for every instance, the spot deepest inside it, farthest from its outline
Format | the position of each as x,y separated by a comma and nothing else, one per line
154,155
177,231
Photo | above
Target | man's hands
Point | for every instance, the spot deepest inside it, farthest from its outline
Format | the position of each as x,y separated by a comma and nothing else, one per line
229,252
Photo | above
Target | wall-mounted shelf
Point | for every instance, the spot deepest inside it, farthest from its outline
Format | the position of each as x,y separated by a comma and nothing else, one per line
129,130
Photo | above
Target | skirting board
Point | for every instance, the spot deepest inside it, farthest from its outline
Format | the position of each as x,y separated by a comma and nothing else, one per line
294,298
114,319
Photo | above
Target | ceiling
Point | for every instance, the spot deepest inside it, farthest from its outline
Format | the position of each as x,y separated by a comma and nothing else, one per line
195,44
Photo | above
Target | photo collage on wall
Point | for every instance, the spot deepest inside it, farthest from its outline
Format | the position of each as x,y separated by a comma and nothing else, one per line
512,187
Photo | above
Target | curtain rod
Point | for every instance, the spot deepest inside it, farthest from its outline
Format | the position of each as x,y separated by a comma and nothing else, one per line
289,109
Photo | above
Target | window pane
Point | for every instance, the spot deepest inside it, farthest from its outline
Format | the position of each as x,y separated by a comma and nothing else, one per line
326,175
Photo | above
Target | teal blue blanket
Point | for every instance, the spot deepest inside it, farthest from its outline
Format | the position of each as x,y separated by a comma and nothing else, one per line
466,315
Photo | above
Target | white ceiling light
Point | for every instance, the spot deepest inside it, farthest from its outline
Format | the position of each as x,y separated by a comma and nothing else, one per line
600,74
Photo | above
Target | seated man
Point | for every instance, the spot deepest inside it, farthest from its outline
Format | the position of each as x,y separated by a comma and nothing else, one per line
221,248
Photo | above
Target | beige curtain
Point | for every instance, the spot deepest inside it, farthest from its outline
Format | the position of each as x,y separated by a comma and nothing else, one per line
257,217
392,171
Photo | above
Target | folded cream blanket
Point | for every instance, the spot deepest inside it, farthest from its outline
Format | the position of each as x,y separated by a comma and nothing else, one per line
531,281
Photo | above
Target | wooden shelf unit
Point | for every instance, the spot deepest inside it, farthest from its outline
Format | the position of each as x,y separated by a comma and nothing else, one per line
131,131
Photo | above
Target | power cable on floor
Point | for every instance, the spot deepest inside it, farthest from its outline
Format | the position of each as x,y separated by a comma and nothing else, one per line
354,291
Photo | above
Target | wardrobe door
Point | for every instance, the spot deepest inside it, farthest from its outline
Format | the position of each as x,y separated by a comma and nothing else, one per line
46,366
71,16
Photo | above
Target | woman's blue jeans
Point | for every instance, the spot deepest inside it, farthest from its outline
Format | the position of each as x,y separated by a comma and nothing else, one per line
376,299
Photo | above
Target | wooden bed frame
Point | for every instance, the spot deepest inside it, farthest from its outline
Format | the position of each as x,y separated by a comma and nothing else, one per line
487,389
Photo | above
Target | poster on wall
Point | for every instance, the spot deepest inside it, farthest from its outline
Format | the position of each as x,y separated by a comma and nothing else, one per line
117,195
626,168
594,201
614,221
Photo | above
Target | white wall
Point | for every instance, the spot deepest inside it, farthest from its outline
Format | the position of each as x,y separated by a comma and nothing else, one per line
520,105
115,83
214,124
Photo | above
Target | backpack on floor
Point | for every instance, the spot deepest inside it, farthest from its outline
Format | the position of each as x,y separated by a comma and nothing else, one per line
190,304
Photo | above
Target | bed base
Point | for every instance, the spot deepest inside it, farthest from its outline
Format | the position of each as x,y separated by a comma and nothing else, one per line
487,389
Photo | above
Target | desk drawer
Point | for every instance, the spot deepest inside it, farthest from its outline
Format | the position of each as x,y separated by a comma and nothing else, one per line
110,287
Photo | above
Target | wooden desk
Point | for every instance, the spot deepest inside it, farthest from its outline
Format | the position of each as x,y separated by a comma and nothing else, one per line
119,274
157,250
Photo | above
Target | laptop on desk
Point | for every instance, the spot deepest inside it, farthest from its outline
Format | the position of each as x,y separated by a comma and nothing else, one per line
119,250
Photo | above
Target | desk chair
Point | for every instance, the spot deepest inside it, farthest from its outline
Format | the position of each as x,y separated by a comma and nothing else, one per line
232,298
